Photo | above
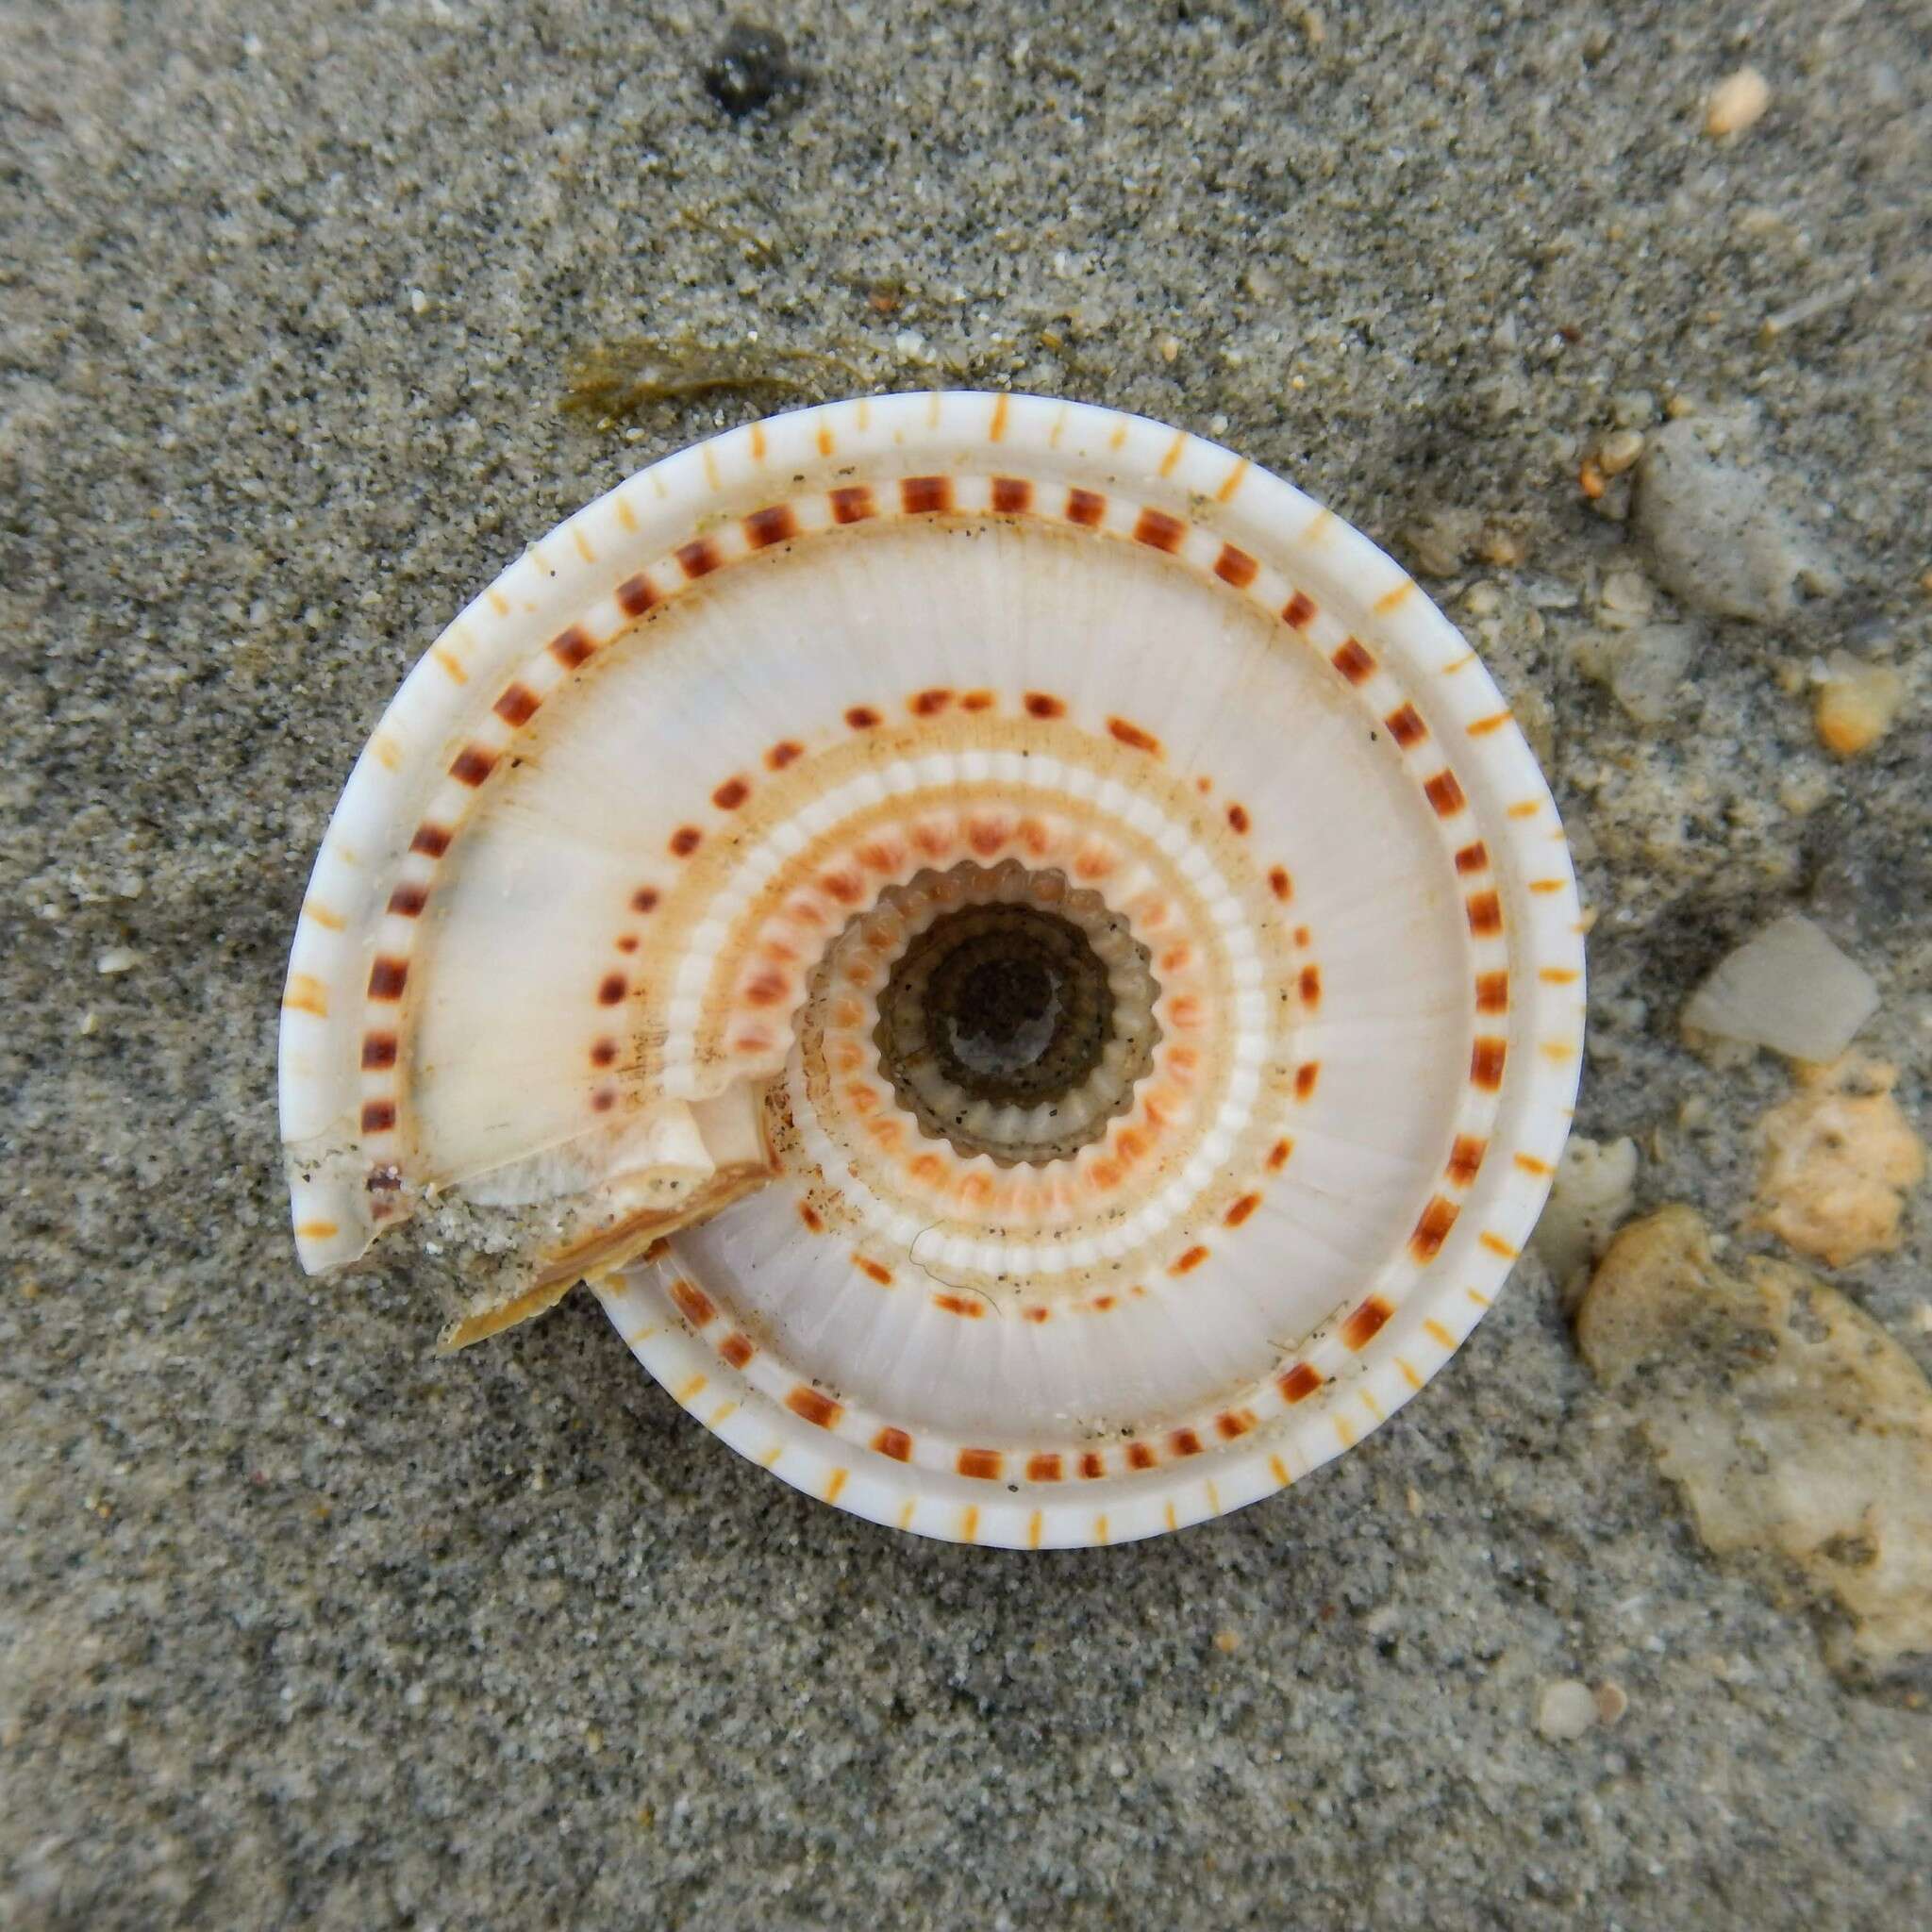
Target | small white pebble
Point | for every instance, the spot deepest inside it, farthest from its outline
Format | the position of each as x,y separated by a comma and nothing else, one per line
1628,590
1736,102
118,959
419,302
90,1023
1217,425
1566,1711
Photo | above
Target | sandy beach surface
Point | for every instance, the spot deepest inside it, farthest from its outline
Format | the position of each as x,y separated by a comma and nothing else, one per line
305,1625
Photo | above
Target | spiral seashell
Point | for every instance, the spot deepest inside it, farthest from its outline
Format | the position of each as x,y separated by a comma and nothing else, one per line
1027,963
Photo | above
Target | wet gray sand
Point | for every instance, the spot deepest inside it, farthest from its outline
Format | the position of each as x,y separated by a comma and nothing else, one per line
303,1625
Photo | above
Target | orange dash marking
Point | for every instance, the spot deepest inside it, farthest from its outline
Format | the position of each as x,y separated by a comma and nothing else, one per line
1299,1383
306,993
1352,661
694,1302
816,1409
1432,1229
1405,726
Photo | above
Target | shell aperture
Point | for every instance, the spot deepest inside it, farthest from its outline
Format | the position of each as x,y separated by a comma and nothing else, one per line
1028,966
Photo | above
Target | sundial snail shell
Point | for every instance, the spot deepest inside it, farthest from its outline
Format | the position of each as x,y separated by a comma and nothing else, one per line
1024,960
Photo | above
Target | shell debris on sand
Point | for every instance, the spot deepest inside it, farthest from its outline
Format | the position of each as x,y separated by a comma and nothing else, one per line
1788,987
1800,1432
1839,1157
1590,1196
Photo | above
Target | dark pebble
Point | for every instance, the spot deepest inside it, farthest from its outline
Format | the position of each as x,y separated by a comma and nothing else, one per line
751,69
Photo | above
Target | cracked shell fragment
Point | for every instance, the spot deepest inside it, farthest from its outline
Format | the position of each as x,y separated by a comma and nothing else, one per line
1029,967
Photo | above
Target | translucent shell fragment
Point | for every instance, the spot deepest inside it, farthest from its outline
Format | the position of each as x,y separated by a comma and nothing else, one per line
1028,966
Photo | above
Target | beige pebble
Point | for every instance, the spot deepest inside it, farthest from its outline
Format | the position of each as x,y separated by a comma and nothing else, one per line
1800,1430
1856,705
1736,102
1169,346
1840,1158
1499,547
1617,451
1566,1711
1227,1642
1612,1702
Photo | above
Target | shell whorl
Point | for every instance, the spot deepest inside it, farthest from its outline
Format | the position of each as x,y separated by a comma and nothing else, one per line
598,940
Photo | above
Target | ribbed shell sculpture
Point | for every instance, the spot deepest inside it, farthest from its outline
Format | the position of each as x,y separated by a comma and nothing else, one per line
1026,963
